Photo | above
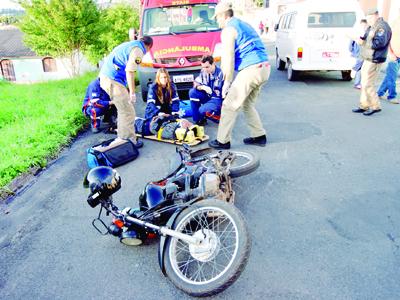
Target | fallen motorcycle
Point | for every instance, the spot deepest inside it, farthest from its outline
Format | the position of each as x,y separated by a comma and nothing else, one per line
204,244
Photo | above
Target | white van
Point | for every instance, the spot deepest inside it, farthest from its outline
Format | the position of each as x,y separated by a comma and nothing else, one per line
313,36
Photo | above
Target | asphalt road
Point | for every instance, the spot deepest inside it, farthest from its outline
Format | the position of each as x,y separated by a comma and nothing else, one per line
323,209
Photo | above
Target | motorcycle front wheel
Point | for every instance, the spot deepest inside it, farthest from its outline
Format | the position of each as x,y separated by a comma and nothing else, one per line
211,266
244,163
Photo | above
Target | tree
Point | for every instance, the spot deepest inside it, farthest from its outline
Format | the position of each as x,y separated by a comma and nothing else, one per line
113,28
60,28
6,20
259,3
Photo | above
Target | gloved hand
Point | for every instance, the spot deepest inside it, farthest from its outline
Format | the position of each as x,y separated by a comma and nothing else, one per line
225,89
207,89
93,101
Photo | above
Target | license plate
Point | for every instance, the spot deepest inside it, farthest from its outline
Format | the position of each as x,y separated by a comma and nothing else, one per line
330,54
183,78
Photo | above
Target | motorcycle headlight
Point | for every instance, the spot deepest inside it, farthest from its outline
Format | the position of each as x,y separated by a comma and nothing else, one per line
130,238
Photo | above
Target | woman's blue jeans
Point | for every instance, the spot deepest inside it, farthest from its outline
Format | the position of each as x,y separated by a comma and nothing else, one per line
389,82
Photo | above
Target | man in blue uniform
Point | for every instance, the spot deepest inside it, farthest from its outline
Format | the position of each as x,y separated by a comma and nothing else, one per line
97,103
118,72
243,52
206,94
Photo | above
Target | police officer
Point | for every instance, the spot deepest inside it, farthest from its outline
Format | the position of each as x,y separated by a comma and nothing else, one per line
245,53
97,103
117,72
374,49
206,94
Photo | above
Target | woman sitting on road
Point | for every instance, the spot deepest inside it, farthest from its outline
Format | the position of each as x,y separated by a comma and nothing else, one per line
162,99
162,102
162,113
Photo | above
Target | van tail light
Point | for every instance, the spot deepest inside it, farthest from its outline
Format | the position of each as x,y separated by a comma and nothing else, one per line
299,53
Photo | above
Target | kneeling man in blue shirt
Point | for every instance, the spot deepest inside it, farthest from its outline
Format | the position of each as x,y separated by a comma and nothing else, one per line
206,94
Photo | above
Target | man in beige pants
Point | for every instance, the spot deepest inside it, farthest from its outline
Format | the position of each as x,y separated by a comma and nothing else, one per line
243,52
374,49
117,72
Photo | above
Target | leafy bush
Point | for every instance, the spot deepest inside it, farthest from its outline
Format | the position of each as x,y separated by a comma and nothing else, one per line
114,26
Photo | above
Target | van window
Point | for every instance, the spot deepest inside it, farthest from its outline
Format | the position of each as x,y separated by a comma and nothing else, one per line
282,22
331,19
287,21
292,21
179,19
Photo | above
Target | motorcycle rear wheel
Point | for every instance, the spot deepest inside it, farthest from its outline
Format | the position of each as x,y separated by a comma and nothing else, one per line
243,164
212,266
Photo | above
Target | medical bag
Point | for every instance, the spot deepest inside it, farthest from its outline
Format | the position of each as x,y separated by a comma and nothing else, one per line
111,153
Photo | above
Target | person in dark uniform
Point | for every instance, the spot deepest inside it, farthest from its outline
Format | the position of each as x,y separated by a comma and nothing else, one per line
97,103
374,49
206,94
162,101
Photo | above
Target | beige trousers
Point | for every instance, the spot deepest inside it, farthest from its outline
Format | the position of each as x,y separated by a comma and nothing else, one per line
126,113
369,73
243,94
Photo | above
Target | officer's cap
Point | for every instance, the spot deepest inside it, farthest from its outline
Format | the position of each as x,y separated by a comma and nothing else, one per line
221,8
372,11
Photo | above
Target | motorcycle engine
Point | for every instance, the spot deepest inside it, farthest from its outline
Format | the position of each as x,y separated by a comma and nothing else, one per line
210,183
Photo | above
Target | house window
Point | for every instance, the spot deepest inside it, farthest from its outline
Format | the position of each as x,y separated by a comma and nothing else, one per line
7,70
49,64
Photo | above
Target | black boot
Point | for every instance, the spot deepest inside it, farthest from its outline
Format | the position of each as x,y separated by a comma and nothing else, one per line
259,141
202,122
217,145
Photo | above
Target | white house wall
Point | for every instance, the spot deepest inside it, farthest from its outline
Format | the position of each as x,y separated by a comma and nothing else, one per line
31,69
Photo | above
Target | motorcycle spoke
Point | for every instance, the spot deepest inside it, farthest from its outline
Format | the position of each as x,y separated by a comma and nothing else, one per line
228,254
217,224
183,248
199,271
225,236
185,264
203,221
214,221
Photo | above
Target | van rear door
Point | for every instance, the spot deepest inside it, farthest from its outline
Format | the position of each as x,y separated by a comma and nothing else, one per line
326,41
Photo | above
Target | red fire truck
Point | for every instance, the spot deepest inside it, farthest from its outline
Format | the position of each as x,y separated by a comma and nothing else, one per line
182,31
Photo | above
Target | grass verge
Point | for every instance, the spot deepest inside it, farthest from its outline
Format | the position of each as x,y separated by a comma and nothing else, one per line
36,120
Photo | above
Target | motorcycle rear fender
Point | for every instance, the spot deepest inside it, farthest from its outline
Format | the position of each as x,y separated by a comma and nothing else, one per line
163,239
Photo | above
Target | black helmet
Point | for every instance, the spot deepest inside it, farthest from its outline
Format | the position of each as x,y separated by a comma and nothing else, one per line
102,180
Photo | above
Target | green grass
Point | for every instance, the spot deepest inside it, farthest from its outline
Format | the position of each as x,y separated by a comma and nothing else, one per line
36,120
